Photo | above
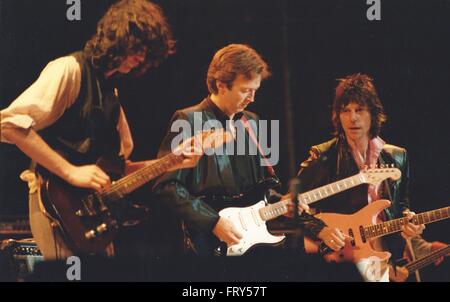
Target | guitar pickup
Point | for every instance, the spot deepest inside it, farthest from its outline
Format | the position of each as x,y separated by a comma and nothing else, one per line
350,233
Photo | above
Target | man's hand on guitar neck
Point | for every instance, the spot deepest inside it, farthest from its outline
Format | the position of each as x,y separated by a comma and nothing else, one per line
226,231
302,206
411,230
194,147
192,150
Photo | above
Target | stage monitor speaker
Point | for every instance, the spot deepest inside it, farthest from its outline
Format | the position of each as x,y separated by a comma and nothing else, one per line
19,257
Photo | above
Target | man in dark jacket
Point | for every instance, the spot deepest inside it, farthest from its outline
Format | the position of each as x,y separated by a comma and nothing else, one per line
357,117
234,76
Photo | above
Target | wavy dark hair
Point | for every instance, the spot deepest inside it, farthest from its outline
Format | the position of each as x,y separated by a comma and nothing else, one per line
358,88
233,60
128,27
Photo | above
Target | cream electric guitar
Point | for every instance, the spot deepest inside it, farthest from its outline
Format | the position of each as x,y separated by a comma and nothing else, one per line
251,221
362,227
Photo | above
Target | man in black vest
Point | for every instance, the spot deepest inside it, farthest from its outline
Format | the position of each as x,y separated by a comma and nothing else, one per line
71,115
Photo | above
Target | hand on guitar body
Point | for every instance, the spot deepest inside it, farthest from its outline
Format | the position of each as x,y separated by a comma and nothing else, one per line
89,220
226,231
89,177
361,227
93,177
333,237
251,221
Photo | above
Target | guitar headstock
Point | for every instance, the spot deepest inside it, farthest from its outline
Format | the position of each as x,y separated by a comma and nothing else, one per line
376,175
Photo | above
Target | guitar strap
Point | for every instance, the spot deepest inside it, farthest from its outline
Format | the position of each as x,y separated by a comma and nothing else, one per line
252,135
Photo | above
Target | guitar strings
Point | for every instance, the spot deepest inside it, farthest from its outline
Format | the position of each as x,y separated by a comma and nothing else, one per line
166,160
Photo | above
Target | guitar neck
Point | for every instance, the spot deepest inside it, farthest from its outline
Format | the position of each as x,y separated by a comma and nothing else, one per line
428,259
280,208
140,177
393,226
331,189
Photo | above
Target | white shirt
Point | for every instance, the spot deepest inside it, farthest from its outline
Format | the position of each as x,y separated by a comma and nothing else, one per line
46,100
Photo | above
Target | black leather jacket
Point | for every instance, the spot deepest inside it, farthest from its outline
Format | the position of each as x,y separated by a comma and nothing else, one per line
332,161
213,175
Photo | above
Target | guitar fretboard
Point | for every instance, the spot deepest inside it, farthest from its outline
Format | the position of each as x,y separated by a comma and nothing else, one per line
280,208
428,259
393,226
136,179
331,189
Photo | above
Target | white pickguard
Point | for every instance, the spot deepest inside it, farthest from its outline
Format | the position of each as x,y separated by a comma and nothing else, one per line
253,228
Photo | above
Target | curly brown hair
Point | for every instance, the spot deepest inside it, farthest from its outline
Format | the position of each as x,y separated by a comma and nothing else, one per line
358,88
129,27
234,60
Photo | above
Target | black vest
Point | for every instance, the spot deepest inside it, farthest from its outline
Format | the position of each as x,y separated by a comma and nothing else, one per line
88,129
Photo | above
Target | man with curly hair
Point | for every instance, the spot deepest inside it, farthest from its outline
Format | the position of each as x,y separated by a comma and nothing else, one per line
357,115
71,115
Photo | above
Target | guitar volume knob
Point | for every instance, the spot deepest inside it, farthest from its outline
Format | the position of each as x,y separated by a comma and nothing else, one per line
102,228
90,234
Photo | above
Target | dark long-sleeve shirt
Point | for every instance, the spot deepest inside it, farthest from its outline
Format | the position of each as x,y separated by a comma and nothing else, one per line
214,175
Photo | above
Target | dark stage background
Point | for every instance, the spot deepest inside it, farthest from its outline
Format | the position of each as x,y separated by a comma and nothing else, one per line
407,53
